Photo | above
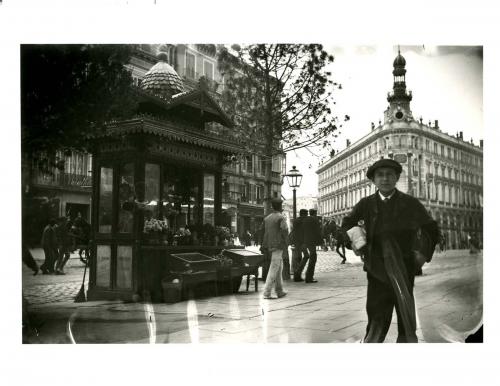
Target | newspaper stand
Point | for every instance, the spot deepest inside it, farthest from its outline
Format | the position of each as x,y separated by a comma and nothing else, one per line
157,183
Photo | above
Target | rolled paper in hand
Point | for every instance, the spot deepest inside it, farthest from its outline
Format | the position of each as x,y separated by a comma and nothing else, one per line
358,237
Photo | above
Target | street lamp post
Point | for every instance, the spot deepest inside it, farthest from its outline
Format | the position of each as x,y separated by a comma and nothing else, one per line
294,179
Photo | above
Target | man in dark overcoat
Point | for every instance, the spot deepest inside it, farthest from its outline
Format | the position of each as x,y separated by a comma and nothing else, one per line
312,236
300,251
400,237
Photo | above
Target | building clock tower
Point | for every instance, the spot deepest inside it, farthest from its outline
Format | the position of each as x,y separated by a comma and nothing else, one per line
399,99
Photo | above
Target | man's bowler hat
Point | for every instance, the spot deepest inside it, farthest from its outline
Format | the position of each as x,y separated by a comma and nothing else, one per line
384,163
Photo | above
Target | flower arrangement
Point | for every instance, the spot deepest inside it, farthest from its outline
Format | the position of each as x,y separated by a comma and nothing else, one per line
182,237
183,232
155,226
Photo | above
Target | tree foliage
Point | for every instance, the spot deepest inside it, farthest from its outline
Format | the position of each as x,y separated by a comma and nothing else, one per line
67,91
281,93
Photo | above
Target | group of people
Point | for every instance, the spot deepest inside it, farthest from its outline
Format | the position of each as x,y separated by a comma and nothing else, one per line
59,239
397,237
305,236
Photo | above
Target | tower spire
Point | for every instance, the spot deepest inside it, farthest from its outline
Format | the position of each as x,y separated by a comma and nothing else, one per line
399,99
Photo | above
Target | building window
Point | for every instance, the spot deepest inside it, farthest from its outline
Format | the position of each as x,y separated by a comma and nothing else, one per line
248,164
276,164
258,165
427,144
190,66
435,148
442,150
208,69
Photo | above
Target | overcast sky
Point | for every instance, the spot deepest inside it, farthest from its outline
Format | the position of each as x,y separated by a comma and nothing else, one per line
446,82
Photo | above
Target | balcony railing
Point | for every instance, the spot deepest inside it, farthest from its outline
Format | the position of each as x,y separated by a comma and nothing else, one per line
64,180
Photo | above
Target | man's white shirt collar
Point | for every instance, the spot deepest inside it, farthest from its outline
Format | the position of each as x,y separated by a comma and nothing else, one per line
382,197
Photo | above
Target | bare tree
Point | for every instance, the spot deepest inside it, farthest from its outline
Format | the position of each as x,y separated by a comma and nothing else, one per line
280,96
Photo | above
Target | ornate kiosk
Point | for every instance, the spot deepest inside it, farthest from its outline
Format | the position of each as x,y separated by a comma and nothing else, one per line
156,200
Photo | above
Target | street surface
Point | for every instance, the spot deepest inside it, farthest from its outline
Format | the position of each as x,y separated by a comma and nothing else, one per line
448,299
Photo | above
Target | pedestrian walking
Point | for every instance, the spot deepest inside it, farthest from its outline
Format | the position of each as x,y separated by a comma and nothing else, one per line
396,226
65,244
275,241
49,245
442,241
340,243
474,244
80,232
297,239
312,237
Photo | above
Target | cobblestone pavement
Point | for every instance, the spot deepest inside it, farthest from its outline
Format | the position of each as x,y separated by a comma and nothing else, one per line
43,289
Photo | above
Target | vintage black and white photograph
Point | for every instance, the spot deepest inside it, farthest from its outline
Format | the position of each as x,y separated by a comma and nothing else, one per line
251,193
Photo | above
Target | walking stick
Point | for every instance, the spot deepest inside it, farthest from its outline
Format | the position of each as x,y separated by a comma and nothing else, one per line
80,297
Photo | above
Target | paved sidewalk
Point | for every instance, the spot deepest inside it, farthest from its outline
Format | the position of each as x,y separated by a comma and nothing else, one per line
449,305
46,289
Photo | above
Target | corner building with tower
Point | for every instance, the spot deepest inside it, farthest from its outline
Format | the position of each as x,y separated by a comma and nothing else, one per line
444,172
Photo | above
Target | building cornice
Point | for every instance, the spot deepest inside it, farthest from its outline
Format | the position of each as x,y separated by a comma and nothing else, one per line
387,129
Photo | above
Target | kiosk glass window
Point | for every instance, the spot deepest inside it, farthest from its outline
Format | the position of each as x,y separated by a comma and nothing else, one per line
180,205
124,266
103,264
208,198
126,198
152,192
105,199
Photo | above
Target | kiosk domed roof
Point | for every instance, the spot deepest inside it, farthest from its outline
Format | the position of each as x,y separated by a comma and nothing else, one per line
162,79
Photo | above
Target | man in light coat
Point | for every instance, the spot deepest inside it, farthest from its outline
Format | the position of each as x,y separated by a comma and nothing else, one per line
275,241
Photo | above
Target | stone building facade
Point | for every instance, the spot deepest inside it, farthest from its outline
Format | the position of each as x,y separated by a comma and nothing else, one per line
445,172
